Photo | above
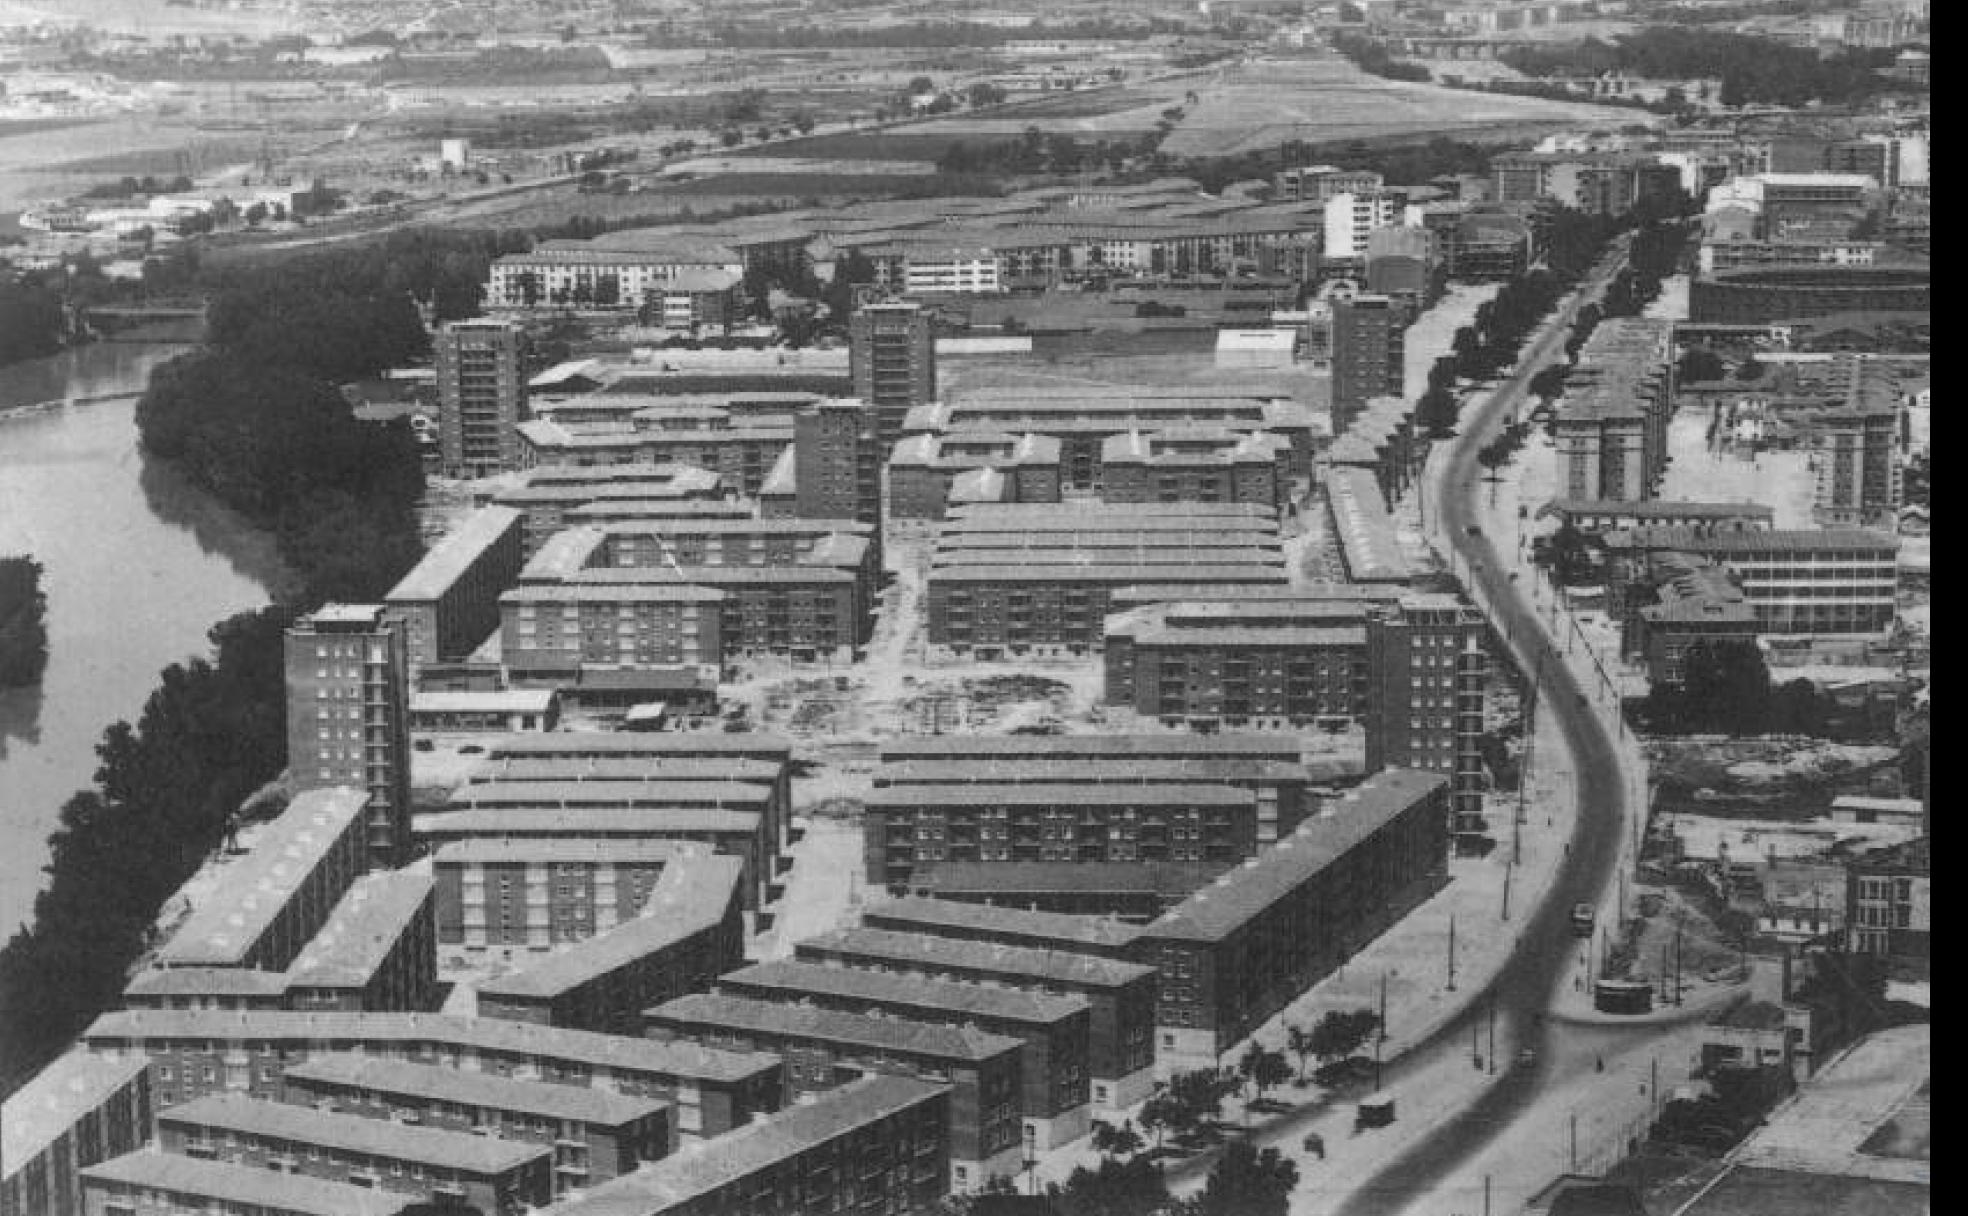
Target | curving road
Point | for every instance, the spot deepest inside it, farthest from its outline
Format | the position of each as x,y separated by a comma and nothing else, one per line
1523,991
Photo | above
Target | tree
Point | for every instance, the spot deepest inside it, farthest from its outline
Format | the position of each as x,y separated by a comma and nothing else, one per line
23,623
1338,1035
1118,1188
1299,1041
919,85
1549,383
1699,365
984,93
1726,686
1262,1068
1571,555
1245,1182
1116,1140
1749,369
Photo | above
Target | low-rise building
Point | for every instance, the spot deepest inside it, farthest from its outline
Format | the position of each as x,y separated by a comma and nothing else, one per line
1121,1049
813,1157
79,1111
1136,891
158,1183
492,711
595,1135
1804,581
1602,515
202,1052
1100,936
825,1048
690,931
492,1175
1054,1089
552,495
1248,944
1889,906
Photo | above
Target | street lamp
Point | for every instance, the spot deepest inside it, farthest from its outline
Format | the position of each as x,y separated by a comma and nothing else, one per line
1031,1159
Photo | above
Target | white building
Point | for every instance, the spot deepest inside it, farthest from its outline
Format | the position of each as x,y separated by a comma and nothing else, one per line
1350,218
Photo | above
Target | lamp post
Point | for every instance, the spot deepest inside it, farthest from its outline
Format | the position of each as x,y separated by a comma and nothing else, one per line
1031,1159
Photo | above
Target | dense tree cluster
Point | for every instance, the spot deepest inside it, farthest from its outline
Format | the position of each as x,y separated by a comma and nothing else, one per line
30,320
1037,151
1373,58
1752,70
23,623
1726,689
211,734
922,35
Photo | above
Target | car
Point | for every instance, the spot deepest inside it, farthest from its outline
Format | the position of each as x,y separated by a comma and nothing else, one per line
1526,1057
1583,916
1473,530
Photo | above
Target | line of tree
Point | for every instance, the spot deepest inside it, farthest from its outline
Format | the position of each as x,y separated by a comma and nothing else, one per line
922,35
1038,151
1726,689
1372,57
211,734
23,622
31,322
1752,70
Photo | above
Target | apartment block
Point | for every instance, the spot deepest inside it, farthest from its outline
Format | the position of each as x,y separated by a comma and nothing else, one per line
1369,345
449,602
592,275
348,716
281,893
500,1176
690,931
193,1054
908,827
879,1144
1833,580
1098,936
1134,891
1611,425
542,892
1364,546
77,1112
1278,783
826,1048
553,497
157,1183
1228,662
481,395
892,362
837,462
1036,580
1889,904
1121,1046
1318,183
377,951
1594,516
1249,944
1054,1087
595,1135
1197,464
741,451
1428,674
1351,217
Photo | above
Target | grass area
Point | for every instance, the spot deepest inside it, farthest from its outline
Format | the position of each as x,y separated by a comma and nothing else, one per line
913,144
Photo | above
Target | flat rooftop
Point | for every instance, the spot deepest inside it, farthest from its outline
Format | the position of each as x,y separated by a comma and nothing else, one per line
571,851
700,1169
246,1187
727,794
265,1120
943,996
541,825
1831,1125
708,1012
1021,770
618,743
643,767
449,558
1147,794
468,1087
1167,745
1073,971
928,915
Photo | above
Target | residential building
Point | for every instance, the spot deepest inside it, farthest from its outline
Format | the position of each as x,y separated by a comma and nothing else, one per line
908,826
1239,950
892,360
1197,464
1365,547
1269,769
494,711
1808,581
203,1052
826,1048
582,274
449,602
882,1143
495,1176
741,451
348,716
1611,424
1605,183
481,395
542,892
377,951
1320,183
1369,354
77,1112
152,1182
1134,891
1121,1046
1858,462
1593,516
1099,936
1889,905
1428,670
1035,579
1695,602
1351,216
280,894
689,931
1239,663
553,497
595,1135
928,474
1054,1089
837,461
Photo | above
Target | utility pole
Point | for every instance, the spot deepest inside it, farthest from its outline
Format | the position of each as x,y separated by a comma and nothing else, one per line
1383,1006
1677,960
1654,1084
1452,953
1486,1195
1575,1142
1493,1034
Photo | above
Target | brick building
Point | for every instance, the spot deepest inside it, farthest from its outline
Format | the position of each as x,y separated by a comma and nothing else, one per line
377,951
1807,581
1369,341
892,362
1246,946
1054,1087
449,602
78,1111
825,1048
595,1135
1611,424
495,1176
348,716
197,1053
481,395
555,496
542,891
1428,675
156,1183
1100,936
1121,1044
690,931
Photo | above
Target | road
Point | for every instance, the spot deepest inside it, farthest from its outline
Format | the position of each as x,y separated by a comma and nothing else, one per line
1523,992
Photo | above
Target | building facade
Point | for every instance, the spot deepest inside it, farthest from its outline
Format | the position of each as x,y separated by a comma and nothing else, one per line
892,362
348,716
449,602
77,1112
1369,354
481,395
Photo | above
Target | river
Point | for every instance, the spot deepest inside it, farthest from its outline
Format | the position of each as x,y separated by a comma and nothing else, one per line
138,566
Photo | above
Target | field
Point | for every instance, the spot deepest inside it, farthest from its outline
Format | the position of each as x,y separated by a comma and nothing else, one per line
1249,106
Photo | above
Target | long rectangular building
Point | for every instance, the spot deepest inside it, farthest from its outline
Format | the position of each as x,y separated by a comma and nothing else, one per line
449,602
200,1052
1054,1089
77,1112
596,1135
1239,950
378,950
152,1182
690,931
1100,936
491,1175
1121,1048
825,1048
1828,580
554,497
880,1142
542,892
